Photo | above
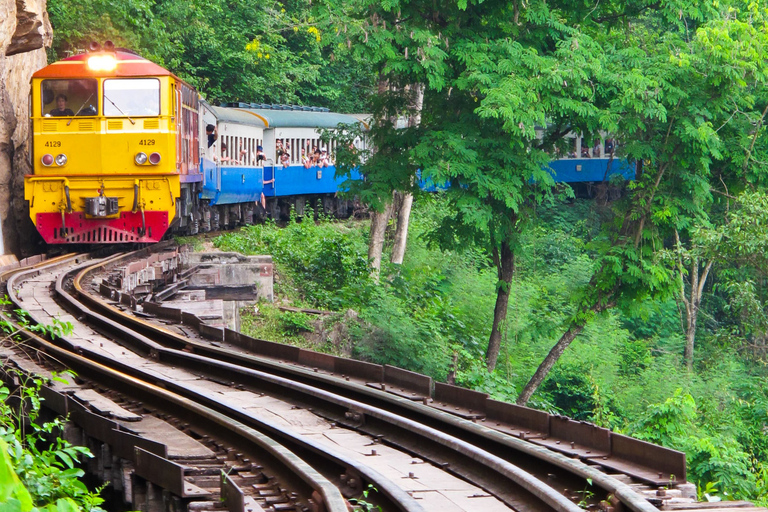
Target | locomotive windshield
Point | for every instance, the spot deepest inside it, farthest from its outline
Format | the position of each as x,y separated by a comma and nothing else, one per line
66,98
127,97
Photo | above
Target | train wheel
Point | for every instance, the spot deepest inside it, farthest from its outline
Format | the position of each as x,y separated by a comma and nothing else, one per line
247,214
194,226
274,209
236,214
224,217
215,219
205,219
299,206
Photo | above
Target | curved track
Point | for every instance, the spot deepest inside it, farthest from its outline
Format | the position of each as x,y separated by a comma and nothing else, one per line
522,475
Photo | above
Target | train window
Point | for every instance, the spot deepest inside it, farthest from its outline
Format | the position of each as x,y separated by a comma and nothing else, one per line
132,97
63,98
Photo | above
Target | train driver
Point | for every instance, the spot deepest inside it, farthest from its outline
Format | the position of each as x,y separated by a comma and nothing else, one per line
61,109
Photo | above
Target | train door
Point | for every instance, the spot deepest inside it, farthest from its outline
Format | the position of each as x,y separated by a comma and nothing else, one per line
270,164
208,164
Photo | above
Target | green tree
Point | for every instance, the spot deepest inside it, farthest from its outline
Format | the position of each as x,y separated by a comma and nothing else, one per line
489,80
675,80
231,51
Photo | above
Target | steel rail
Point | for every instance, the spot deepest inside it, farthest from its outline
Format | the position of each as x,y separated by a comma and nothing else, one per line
400,500
293,464
493,440
542,496
529,492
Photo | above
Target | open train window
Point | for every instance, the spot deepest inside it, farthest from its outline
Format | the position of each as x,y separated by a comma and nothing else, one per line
126,97
67,98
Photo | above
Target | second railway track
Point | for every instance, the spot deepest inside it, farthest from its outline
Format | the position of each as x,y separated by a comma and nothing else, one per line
417,457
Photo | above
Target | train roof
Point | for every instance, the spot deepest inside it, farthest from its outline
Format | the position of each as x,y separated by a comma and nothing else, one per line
295,119
128,64
237,116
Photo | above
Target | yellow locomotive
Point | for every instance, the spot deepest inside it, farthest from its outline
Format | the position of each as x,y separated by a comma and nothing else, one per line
115,151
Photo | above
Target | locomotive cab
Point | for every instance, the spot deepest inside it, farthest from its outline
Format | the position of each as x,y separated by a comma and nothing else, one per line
114,143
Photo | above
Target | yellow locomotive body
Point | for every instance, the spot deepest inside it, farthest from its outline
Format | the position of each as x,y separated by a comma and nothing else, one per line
114,142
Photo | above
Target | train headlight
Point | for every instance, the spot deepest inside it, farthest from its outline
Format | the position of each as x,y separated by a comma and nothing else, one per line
140,158
102,63
154,158
47,160
60,159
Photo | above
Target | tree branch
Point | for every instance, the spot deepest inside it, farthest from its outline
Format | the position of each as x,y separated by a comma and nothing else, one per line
754,139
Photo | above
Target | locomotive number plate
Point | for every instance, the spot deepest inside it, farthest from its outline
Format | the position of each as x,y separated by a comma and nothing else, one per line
53,144
147,142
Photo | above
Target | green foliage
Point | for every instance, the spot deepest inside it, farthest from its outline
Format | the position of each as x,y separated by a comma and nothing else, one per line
321,265
363,503
571,391
193,242
711,455
38,470
623,372
269,322
267,52
54,330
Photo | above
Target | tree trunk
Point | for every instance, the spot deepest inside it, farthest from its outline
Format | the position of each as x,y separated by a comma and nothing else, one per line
543,370
691,303
690,336
379,222
505,264
401,233
404,211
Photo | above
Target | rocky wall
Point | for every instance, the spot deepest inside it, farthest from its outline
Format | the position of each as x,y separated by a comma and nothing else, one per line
25,33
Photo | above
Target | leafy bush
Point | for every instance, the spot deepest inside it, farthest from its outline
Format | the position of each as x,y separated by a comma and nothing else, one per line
713,457
38,470
296,322
571,391
322,265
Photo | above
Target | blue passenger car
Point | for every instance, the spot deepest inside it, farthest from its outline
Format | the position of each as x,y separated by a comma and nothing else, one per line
267,159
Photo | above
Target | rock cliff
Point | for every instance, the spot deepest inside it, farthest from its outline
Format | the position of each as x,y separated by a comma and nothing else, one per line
25,33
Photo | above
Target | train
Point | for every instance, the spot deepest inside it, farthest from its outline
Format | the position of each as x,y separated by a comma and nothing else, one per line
124,151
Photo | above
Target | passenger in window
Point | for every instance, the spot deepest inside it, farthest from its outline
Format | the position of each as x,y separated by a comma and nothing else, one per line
279,150
260,156
285,159
61,109
596,149
224,158
609,145
305,160
323,160
316,157
212,133
244,155
584,152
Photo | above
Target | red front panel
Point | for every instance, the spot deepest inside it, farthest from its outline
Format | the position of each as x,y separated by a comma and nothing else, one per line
123,229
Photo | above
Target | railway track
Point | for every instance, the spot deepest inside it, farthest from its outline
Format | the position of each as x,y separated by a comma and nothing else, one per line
325,436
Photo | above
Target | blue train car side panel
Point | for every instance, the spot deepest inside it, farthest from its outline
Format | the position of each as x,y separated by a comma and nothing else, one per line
210,179
297,180
575,170
230,185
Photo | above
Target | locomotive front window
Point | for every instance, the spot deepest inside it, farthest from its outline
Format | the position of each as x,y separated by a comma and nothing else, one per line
66,98
128,97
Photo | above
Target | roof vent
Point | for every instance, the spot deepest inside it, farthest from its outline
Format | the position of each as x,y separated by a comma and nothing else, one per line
275,106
